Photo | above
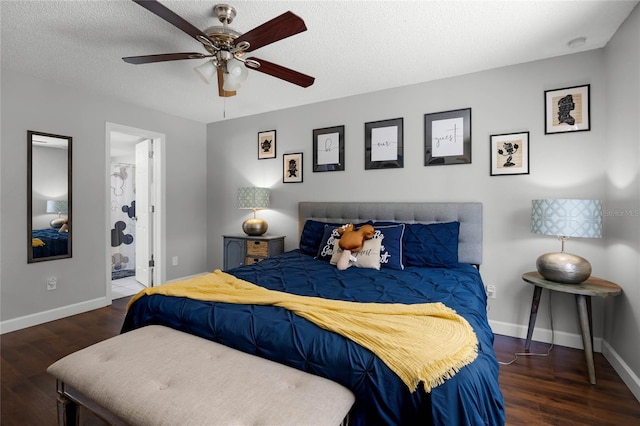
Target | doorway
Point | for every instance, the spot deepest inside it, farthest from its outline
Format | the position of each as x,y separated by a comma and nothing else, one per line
135,231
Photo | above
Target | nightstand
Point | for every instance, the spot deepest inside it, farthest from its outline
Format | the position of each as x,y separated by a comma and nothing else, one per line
244,249
593,286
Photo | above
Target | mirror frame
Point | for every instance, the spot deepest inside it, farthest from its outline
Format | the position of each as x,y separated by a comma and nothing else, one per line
30,257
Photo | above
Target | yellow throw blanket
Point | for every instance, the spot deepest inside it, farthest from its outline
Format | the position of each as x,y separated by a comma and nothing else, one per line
37,242
425,342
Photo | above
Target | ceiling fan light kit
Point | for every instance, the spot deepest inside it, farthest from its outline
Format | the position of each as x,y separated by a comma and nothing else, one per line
226,47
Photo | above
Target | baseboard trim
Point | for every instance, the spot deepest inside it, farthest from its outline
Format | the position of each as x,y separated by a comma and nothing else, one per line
51,315
562,338
622,368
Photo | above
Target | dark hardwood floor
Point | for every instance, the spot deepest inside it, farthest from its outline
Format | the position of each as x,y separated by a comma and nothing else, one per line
551,390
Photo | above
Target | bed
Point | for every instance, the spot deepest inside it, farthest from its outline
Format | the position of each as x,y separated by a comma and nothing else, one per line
471,397
50,242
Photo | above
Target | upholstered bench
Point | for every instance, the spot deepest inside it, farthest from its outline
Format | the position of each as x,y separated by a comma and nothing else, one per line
159,376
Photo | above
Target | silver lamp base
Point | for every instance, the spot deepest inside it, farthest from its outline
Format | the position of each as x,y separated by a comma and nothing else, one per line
563,267
254,227
57,223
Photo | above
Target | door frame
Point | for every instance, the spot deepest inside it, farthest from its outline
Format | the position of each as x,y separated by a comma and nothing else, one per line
159,219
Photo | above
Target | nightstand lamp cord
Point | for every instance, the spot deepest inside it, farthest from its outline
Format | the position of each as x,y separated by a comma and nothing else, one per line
517,354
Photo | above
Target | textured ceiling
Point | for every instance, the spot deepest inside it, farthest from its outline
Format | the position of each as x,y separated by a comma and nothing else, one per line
351,47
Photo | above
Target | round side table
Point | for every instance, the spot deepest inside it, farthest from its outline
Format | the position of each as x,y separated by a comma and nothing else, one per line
593,286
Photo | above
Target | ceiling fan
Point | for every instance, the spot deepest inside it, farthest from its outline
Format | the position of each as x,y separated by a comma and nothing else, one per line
227,47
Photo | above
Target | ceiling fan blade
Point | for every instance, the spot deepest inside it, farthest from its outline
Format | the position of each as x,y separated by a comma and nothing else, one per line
148,59
221,92
283,73
171,17
278,28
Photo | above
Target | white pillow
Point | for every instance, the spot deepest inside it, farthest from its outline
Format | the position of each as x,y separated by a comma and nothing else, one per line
368,257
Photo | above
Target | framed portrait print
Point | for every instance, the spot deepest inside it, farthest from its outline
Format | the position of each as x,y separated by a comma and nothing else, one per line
567,110
292,168
510,154
383,144
328,149
447,137
267,144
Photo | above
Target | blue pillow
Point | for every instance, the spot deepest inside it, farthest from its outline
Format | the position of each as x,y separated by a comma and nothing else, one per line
431,245
391,250
311,236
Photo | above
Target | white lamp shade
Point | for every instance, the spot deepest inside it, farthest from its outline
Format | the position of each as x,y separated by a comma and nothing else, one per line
567,218
206,71
235,75
237,69
57,206
253,198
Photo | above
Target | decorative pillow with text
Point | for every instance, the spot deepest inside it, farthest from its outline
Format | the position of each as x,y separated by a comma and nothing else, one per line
391,249
368,257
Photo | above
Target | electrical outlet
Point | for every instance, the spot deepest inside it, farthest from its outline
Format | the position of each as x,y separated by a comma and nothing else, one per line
52,283
491,291
174,260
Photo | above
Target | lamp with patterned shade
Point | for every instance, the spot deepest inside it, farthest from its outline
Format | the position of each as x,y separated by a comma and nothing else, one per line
254,198
57,206
564,219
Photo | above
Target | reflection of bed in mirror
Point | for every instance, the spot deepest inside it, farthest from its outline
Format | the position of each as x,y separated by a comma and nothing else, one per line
49,242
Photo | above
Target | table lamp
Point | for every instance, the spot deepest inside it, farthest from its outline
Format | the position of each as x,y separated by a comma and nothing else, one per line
254,198
57,206
564,219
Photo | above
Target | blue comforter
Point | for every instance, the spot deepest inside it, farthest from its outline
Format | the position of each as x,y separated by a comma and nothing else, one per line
471,397
55,243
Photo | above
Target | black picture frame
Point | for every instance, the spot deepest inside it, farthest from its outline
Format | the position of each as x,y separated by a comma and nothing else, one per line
383,144
567,110
510,154
292,168
266,144
447,137
328,149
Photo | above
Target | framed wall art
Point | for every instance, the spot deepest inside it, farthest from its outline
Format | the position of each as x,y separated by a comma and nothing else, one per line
510,154
447,137
567,110
328,149
383,144
267,144
292,168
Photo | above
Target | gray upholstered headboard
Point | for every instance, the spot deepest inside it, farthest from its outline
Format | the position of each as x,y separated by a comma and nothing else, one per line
468,214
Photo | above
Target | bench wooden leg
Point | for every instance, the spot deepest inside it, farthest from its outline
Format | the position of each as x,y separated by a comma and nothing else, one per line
68,410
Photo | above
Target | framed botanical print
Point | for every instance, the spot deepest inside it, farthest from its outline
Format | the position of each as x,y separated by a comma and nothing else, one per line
328,149
383,144
447,137
292,168
267,144
510,154
567,110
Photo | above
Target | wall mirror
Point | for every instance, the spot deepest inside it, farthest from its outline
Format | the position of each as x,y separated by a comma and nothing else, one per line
49,225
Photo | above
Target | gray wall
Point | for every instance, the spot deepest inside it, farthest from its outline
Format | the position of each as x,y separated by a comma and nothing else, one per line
622,230
503,100
33,104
